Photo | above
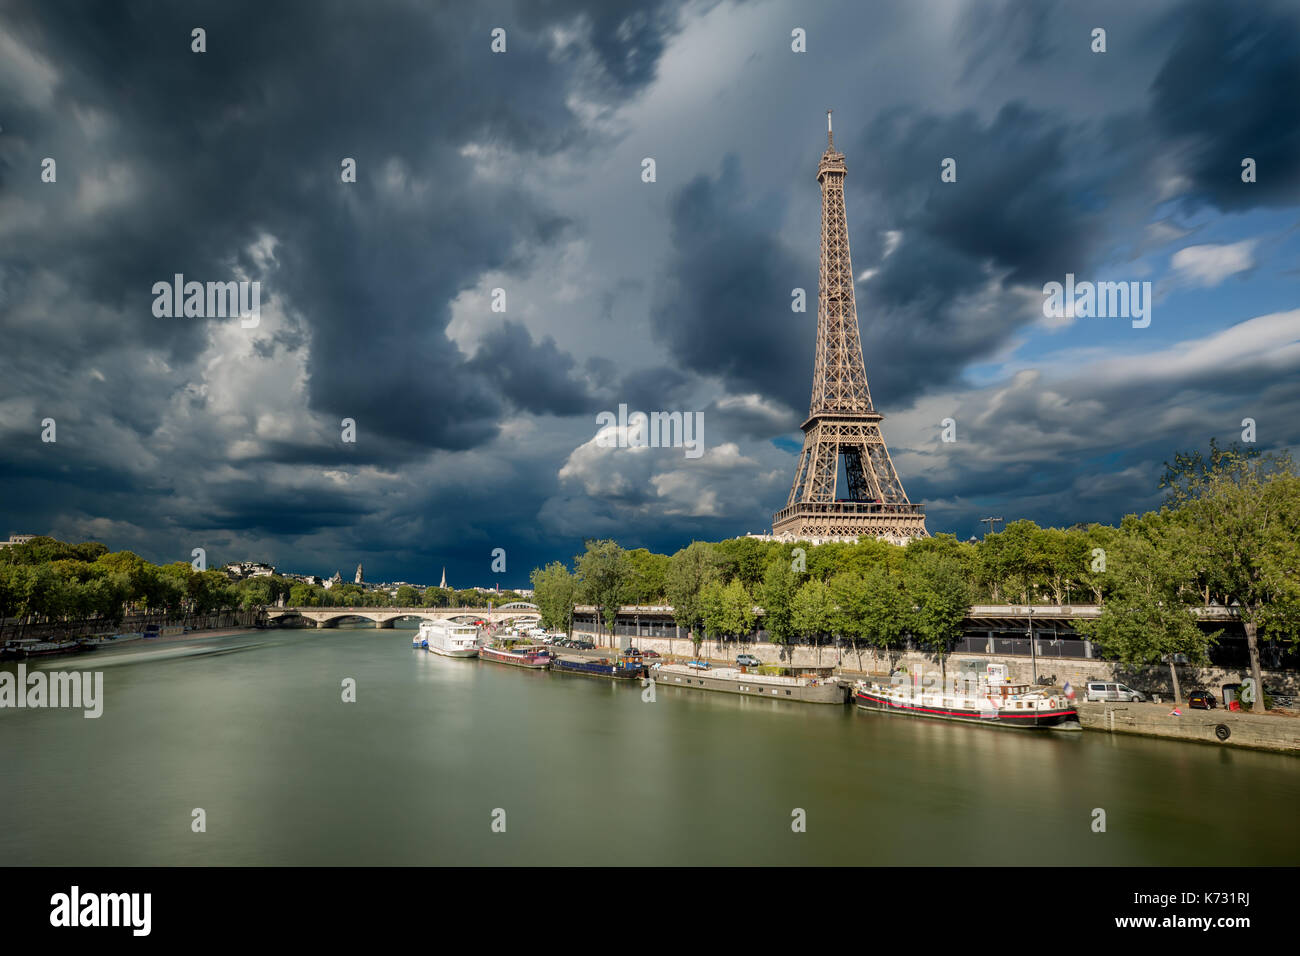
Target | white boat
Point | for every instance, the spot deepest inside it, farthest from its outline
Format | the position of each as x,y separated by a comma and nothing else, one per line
448,639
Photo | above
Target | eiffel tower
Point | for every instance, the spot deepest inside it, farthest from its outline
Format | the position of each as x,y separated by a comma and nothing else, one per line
842,423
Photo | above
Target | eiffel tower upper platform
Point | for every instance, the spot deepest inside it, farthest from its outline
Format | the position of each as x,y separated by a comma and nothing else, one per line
842,423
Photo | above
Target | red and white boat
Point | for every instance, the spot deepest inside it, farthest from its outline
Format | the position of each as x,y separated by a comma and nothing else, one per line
991,699
535,656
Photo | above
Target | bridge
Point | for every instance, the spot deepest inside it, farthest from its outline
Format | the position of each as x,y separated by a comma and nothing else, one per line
387,616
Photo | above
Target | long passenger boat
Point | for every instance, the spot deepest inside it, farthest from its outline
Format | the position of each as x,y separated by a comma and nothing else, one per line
625,668
994,701
729,680
448,639
535,656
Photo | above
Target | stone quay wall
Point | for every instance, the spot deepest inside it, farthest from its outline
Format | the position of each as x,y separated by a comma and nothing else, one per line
1259,732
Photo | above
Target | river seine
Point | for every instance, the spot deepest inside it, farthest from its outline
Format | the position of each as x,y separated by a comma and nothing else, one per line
437,757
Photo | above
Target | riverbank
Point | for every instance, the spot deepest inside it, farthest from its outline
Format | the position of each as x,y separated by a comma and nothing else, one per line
1276,732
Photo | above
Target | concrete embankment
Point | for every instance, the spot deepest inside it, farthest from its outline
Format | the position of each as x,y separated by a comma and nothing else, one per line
1219,727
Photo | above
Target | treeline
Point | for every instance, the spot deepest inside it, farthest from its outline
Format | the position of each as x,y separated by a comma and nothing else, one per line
1229,533
45,580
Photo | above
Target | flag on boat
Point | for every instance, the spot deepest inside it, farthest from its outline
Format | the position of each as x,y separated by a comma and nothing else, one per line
1069,691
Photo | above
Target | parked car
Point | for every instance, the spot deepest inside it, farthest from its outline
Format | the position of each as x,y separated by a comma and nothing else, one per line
651,653
1106,691
748,660
1201,700
632,652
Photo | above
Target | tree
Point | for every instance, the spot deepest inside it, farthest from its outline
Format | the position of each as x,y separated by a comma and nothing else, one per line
849,594
646,573
743,558
256,592
776,595
1064,559
813,610
407,596
728,609
1242,510
602,572
303,595
1146,617
940,599
554,590
436,597
1011,561
884,608
690,571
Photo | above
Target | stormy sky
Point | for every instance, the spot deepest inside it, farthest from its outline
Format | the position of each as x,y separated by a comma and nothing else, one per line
523,171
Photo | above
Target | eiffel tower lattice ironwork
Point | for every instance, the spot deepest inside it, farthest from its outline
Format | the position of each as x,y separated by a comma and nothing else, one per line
842,423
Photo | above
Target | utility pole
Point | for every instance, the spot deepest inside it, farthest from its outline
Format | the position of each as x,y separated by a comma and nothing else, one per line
990,522
1033,651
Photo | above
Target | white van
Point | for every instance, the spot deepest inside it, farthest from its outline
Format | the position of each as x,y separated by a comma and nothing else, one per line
1101,690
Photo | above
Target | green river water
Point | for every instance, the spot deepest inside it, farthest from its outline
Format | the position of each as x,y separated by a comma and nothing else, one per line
252,728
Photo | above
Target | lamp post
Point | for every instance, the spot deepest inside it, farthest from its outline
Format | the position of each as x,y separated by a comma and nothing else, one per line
1033,652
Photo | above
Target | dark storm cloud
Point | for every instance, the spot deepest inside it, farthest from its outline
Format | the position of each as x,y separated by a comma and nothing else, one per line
1023,210
246,139
1006,31
1231,89
252,507
535,377
628,40
217,150
724,307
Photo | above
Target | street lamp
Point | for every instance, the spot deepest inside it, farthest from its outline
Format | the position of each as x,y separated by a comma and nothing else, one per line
1033,652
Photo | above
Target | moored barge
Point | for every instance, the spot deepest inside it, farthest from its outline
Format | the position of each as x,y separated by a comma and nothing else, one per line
992,701
730,680
625,668
534,656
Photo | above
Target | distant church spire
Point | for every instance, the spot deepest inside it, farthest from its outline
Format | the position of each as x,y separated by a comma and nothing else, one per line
360,575
443,585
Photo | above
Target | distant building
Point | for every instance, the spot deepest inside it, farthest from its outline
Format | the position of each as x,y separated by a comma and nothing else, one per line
360,578
313,579
240,570
443,585
337,579
16,539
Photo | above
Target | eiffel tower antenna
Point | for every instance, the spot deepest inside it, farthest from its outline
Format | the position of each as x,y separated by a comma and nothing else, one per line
842,423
